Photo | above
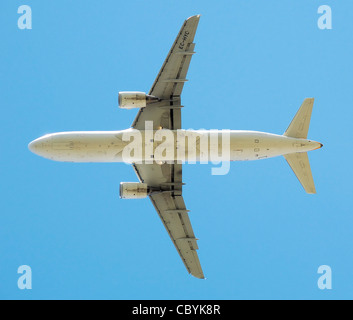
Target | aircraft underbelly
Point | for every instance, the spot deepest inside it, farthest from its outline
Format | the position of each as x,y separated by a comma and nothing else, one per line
138,146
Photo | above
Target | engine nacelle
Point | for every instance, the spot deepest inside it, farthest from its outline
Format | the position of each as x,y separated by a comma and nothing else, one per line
131,99
133,190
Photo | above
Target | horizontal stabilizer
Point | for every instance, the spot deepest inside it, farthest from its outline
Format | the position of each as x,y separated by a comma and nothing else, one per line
299,162
299,126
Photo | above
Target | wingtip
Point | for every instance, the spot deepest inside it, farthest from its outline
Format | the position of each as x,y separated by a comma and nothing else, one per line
197,16
198,276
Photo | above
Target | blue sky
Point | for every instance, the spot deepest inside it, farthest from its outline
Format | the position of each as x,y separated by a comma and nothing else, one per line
261,236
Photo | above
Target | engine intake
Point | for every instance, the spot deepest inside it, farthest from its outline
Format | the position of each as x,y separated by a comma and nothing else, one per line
132,99
133,190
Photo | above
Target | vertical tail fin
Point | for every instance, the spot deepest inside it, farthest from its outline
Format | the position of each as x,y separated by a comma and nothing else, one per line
299,126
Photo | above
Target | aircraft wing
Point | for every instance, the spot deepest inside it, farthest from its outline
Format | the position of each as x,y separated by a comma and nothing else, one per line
171,208
167,178
170,81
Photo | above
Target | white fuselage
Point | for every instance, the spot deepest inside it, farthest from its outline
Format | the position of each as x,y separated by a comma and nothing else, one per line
163,145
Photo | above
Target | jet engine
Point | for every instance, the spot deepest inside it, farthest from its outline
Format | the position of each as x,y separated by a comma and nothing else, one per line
133,190
131,99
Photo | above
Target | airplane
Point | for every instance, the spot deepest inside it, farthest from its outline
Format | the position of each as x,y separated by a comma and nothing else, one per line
161,181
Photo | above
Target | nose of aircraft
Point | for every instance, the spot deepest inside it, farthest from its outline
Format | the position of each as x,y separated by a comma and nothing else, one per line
40,146
33,146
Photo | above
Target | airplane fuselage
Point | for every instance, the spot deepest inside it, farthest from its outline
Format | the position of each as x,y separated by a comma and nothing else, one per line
165,145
